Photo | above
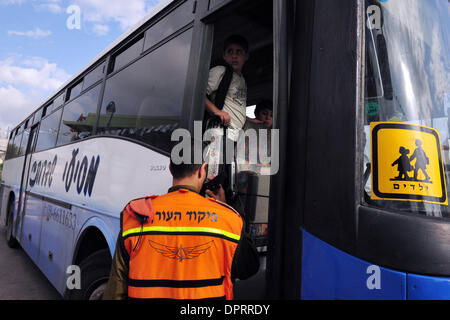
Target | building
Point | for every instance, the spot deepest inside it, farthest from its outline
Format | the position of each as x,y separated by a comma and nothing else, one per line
3,147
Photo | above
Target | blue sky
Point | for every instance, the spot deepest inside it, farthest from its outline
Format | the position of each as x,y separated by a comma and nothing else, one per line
39,52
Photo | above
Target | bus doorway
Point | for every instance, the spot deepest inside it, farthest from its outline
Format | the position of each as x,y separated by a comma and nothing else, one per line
28,141
250,180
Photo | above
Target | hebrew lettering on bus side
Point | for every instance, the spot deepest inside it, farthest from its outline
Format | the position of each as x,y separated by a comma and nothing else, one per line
81,173
34,171
52,169
45,174
70,167
89,185
41,173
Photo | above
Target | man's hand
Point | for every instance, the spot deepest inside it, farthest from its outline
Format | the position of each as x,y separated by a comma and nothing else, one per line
219,194
224,117
212,109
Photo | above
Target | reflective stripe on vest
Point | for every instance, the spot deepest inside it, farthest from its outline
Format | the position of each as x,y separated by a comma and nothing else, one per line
182,230
182,258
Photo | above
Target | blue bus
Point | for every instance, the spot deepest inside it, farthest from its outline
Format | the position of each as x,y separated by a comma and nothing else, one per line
352,83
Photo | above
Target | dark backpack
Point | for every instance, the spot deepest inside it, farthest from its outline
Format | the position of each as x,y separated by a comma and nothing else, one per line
221,94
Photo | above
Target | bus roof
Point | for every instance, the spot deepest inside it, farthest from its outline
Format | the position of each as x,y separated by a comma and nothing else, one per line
154,11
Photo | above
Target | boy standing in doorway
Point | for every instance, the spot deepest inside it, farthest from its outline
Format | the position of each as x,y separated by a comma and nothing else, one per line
233,112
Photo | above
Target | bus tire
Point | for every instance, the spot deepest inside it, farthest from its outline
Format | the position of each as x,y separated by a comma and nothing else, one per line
94,276
11,241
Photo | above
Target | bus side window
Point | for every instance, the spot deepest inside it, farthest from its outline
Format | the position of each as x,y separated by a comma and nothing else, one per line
59,101
94,76
36,118
9,148
26,135
177,19
74,91
144,100
128,54
79,117
16,146
48,131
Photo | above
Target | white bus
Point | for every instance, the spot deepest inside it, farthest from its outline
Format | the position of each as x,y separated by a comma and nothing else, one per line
330,67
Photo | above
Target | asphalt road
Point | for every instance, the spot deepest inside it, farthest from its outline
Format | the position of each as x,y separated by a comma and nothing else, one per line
20,278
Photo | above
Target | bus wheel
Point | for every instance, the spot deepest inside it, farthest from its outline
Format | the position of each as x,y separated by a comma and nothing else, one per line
94,276
10,239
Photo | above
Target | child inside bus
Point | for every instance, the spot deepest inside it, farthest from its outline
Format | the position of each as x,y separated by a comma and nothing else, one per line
262,122
233,112
263,114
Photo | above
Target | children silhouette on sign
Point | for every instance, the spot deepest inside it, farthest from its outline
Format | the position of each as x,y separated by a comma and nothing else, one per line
404,163
421,161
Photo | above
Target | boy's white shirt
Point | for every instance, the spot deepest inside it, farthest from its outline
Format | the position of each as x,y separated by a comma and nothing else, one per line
236,98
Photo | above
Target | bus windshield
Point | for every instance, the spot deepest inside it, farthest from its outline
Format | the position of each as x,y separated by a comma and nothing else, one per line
407,80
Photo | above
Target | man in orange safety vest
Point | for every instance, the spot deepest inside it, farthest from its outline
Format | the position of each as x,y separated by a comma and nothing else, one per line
181,245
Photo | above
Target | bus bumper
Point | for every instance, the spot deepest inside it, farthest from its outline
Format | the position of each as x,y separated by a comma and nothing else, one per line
329,273
426,287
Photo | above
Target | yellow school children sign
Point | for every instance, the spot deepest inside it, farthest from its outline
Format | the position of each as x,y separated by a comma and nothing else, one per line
407,163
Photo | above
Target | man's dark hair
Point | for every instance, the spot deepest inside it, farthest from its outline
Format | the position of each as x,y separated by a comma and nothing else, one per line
236,39
183,170
180,171
264,104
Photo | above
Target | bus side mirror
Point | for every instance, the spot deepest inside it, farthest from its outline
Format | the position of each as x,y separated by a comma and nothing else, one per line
111,107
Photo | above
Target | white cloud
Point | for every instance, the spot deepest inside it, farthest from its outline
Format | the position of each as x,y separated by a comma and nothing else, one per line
32,72
36,33
24,84
99,12
8,2
52,7
100,29
126,13
15,106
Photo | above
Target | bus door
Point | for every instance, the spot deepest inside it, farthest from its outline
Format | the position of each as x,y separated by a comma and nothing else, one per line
29,226
256,158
